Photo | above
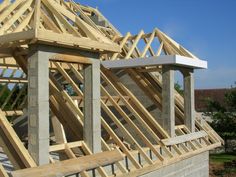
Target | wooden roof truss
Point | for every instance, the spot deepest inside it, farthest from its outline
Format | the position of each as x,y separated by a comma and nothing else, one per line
127,125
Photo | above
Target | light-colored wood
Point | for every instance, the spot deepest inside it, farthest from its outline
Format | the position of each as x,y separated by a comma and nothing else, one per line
16,142
71,59
68,24
105,125
71,166
101,171
172,161
3,172
184,138
59,147
4,4
126,117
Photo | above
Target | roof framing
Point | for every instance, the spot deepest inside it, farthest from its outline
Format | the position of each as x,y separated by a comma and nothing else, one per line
50,22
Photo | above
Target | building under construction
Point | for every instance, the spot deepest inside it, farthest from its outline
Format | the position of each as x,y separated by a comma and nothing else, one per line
80,99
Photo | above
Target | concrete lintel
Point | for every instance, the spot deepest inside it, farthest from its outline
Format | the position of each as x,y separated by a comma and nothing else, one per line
175,60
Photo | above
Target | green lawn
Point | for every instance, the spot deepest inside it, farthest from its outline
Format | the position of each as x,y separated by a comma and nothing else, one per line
217,165
221,158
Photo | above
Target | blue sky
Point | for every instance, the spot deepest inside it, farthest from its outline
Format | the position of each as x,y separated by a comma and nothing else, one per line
206,27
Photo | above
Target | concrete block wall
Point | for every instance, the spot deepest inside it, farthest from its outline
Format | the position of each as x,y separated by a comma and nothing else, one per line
195,166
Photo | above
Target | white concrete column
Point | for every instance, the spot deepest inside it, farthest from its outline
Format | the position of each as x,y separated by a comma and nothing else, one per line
92,107
168,104
189,108
38,105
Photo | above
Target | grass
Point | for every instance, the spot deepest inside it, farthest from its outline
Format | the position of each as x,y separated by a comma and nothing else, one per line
221,158
217,165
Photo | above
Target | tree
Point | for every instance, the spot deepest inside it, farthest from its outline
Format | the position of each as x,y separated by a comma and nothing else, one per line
224,116
178,88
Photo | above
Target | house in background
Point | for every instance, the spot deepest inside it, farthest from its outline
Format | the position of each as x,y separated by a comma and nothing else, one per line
202,95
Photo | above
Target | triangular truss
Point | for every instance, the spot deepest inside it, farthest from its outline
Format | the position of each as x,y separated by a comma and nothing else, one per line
128,123
51,22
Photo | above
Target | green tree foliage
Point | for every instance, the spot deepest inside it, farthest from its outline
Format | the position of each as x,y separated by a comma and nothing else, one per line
5,93
224,116
179,89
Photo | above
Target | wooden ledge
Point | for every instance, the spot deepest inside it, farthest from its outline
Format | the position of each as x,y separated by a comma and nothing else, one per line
184,138
72,166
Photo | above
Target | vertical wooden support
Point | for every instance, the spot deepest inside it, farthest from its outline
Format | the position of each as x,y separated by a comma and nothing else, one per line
168,104
189,109
38,104
92,107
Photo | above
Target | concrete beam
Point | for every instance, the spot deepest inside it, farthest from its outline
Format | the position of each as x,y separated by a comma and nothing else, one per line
168,104
189,108
174,60
92,108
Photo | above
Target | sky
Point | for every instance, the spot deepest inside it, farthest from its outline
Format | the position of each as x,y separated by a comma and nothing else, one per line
207,28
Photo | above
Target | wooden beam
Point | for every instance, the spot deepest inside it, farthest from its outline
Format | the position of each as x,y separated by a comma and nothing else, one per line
3,172
71,59
16,144
72,166
184,138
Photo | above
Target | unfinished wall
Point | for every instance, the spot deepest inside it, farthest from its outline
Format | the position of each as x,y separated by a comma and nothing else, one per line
195,166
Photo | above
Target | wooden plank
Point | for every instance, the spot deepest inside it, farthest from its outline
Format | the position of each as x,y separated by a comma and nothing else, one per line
63,20
59,147
47,36
58,130
148,118
122,44
118,164
134,45
124,130
158,166
3,172
50,23
148,45
87,151
71,58
10,9
59,107
16,143
13,113
184,138
106,126
11,37
37,14
4,4
16,16
72,166
127,118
